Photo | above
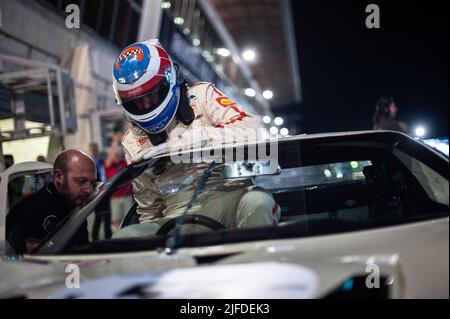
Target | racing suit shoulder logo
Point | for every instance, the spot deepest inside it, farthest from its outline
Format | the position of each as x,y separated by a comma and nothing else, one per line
141,140
224,101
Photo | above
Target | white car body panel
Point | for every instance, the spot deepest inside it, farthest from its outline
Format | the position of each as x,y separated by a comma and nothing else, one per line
334,257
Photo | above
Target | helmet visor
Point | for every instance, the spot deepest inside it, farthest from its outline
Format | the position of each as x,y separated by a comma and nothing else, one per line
149,101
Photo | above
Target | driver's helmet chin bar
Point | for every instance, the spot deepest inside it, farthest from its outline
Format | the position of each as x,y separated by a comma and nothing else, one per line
176,239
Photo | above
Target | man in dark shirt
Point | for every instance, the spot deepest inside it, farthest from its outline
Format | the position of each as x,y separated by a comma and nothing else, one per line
74,178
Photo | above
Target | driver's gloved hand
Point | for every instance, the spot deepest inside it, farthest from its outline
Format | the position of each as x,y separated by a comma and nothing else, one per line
144,154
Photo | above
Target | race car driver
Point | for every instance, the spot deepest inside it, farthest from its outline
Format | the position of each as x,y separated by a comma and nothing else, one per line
167,115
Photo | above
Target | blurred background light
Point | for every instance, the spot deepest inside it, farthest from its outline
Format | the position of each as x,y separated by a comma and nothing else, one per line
273,130
284,131
165,5
278,121
249,55
268,94
420,131
223,52
250,92
178,20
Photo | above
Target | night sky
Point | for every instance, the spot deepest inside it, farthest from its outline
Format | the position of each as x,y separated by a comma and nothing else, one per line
345,67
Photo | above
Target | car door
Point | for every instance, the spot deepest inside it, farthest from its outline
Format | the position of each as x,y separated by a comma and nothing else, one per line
17,182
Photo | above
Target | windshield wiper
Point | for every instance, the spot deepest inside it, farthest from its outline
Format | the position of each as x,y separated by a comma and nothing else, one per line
175,240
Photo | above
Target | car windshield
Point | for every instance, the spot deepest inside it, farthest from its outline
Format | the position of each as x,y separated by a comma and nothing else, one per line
314,189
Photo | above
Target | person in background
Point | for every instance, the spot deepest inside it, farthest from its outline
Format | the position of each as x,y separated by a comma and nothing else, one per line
103,211
95,153
73,183
15,186
122,199
384,116
37,181
9,160
41,158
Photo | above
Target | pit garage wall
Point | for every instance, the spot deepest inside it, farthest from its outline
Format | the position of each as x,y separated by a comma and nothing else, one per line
30,30
85,99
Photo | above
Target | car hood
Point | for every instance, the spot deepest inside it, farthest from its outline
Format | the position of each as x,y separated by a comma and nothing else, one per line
295,268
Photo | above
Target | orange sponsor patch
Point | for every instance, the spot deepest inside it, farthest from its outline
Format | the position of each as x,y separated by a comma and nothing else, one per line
142,140
224,101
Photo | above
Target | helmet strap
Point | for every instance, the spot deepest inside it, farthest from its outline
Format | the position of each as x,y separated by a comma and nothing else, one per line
185,113
157,139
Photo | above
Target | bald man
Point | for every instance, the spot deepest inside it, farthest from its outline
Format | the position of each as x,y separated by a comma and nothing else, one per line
74,179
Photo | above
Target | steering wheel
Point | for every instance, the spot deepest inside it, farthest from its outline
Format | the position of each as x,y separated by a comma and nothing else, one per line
190,219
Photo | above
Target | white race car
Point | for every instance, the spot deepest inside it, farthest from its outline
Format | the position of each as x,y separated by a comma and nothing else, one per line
363,215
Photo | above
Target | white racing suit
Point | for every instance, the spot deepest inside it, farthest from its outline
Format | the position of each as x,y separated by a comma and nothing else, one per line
160,197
